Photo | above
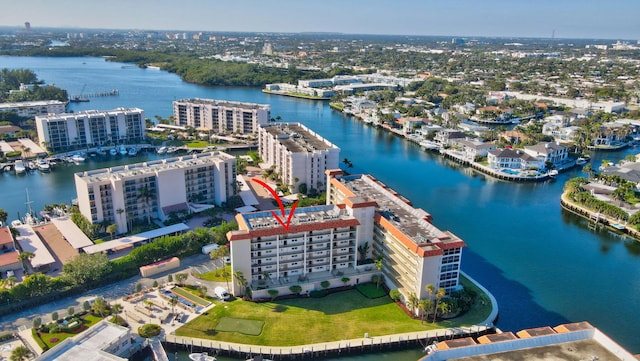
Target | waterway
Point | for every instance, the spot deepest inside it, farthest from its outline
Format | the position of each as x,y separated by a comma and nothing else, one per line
544,266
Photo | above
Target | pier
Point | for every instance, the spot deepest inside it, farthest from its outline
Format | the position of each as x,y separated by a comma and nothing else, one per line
84,97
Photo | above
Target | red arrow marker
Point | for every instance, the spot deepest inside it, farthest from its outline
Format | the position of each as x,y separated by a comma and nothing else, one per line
279,200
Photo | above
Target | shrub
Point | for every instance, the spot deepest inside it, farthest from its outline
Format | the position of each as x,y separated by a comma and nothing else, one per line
295,289
149,330
394,294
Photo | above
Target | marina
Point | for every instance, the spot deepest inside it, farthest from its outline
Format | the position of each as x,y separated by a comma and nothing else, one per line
526,220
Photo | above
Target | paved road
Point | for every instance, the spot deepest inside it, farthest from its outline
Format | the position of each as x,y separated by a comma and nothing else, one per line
110,292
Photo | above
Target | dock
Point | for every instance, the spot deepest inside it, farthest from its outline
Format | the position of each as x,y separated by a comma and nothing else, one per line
365,344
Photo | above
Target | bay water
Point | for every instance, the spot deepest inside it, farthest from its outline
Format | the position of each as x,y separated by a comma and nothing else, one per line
544,265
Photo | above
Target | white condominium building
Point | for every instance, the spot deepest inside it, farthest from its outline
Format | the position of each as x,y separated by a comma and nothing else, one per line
221,116
299,155
90,128
414,252
154,189
33,108
337,243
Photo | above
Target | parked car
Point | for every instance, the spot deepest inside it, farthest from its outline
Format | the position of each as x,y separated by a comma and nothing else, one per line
221,293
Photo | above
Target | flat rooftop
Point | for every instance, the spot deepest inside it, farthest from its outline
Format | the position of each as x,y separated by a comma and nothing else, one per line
30,242
34,103
88,345
413,222
71,232
151,167
130,241
568,351
297,138
33,147
306,215
225,103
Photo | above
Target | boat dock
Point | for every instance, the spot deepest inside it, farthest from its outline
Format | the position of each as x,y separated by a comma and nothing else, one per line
158,351
365,344
84,97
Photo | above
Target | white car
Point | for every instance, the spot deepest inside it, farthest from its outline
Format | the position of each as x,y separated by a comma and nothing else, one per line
221,293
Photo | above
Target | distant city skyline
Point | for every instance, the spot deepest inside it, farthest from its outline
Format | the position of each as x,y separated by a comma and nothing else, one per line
590,19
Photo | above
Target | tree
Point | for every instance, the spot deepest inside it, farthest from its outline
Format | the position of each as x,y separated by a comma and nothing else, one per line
379,264
170,278
146,195
219,253
87,268
149,330
54,315
71,311
413,301
202,290
394,294
119,211
345,280
37,322
439,294
86,306
3,216
240,279
273,294
100,306
325,284
20,353
181,277
424,306
295,289
363,249
25,257
112,229
116,309
138,287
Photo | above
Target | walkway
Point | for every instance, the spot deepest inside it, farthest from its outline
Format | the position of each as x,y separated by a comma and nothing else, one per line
158,351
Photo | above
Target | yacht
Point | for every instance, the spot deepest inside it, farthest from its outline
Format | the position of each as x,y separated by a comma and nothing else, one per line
132,152
113,151
43,165
161,150
581,161
19,167
123,150
77,158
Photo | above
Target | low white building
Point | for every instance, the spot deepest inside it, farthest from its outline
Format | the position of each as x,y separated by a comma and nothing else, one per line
548,152
33,108
473,149
513,159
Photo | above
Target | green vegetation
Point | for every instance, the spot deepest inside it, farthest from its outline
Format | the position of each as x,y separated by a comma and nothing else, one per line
149,330
577,194
53,333
217,275
240,325
10,79
190,296
338,316
371,290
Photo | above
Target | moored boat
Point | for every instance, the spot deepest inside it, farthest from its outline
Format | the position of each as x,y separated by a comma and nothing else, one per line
132,152
161,150
123,150
43,165
19,167
552,173
77,158
581,161
201,356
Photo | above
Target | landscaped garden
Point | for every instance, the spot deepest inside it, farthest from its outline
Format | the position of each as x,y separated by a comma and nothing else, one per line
50,335
338,316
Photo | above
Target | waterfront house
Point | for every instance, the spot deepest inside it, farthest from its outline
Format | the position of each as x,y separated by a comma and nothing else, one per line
474,149
9,262
548,152
410,124
446,137
513,159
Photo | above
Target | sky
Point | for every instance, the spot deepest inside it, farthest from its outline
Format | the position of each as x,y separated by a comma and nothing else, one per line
591,19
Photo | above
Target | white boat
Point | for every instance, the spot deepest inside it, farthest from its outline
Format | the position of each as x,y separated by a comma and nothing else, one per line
77,158
132,152
19,167
113,151
552,173
43,165
172,150
123,150
16,223
161,150
581,161
201,356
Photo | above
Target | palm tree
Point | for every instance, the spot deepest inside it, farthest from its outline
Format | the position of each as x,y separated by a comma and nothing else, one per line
379,264
146,195
413,302
439,294
424,306
242,282
20,353
25,257
3,216
119,211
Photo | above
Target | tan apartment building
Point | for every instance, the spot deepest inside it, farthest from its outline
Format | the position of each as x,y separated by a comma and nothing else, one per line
221,116
298,154
155,188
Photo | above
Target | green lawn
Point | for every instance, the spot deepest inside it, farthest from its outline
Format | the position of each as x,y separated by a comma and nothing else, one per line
241,325
215,275
338,316
45,339
190,296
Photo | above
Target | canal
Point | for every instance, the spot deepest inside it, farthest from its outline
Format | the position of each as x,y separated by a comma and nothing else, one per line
544,266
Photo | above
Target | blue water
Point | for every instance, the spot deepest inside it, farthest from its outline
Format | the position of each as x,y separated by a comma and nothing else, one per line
544,266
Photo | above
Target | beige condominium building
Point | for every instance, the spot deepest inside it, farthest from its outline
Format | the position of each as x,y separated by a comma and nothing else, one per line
90,128
221,116
363,220
156,188
32,108
298,154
